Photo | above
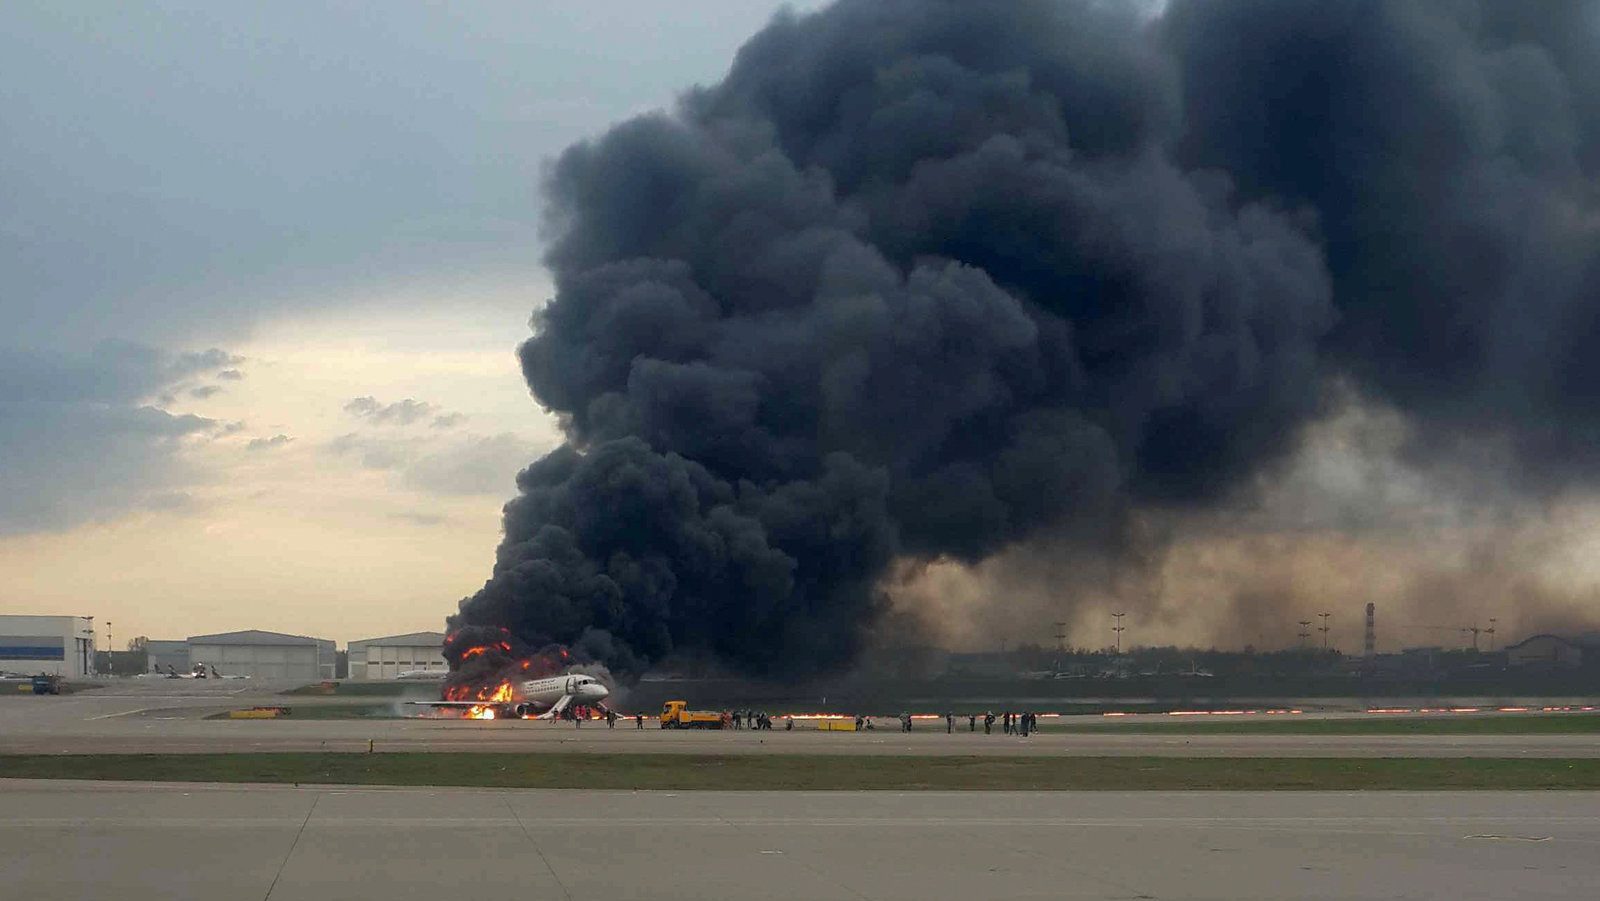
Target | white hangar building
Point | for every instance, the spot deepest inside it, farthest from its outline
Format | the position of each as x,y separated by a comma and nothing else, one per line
415,653
264,655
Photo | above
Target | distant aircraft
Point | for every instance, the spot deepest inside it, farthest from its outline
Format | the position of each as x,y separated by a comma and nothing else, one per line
422,675
538,698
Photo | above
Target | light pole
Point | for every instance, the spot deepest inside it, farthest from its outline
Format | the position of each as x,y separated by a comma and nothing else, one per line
1324,628
1119,628
1304,633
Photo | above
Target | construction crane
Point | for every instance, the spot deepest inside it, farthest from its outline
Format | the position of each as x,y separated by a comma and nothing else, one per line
1474,631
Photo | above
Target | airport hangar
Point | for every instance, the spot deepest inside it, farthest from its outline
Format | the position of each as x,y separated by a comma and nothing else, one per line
58,645
390,658
264,655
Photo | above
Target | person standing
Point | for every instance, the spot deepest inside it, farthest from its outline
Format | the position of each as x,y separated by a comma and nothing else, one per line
949,723
972,722
638,721
988,724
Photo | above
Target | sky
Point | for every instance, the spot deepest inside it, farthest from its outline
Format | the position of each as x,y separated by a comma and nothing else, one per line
266,268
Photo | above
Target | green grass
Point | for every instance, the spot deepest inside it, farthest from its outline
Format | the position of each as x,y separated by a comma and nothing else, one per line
1373,724
819,772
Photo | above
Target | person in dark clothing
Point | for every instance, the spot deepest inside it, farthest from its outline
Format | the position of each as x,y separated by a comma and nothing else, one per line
949,723
988,723
972,722
736,720
638,721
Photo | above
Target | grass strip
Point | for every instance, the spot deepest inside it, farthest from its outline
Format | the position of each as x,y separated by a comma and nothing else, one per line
819,772
1371,724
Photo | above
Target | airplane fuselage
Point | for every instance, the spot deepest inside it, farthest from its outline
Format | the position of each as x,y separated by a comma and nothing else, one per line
537,697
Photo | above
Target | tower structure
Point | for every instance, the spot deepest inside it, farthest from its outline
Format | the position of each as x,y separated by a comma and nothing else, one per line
1369,647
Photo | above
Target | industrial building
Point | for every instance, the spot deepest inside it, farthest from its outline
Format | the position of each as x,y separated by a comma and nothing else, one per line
58,645
397,655
167,656
1547,652
264,655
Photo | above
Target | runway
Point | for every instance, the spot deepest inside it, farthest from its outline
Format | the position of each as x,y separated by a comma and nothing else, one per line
171,721
117,840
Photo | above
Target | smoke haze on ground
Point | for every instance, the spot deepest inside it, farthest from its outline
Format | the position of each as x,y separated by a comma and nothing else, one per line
1005,312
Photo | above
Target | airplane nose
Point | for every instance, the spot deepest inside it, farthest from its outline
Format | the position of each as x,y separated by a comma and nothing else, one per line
597,692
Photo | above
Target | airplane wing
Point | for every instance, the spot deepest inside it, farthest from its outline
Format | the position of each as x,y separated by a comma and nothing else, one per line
556,708
459,704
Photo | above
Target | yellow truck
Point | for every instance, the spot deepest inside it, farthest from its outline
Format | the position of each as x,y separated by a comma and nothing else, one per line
677,715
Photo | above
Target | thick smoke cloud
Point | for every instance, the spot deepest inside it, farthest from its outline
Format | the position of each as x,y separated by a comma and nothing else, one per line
1450,151
922,280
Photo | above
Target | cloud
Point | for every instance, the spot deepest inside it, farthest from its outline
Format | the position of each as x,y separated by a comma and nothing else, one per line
204,361
231,375
417,518
205,391
439,464
81,442
372,175
401,412
261,444
449,420
374,453
472,466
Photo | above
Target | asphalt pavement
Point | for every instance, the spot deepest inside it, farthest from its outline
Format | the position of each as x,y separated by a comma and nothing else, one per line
61,840
164,716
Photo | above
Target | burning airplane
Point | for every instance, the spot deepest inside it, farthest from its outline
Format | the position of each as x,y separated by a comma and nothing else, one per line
527,699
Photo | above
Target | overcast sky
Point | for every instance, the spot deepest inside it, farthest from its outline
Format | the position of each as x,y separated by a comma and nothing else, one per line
264,271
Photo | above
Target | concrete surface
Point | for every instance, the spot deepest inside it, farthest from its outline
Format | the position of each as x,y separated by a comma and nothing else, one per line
164,716
126,840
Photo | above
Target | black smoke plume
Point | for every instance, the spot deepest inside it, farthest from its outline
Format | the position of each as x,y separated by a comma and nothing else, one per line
922,279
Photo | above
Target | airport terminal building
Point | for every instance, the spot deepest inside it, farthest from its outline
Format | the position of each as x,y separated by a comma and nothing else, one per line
389,658
264,655
58,645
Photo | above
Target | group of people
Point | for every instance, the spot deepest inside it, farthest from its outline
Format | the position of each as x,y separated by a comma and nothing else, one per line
755,719
1013,723
1021,724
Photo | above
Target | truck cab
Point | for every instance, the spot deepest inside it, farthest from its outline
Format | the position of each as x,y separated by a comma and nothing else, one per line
677,715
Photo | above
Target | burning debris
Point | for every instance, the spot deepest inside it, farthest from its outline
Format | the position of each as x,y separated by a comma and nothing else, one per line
926,280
